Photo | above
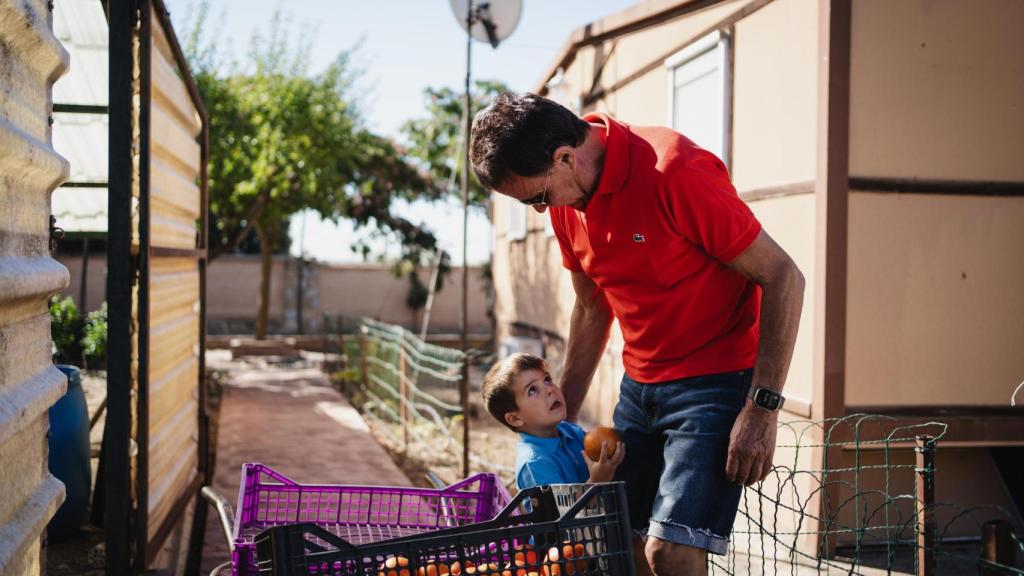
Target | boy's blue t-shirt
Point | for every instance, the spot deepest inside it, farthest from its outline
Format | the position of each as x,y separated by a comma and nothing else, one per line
555,460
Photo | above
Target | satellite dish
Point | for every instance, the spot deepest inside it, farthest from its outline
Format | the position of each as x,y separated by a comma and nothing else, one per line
493,20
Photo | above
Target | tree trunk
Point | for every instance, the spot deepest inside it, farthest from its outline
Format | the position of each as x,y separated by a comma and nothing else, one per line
267,235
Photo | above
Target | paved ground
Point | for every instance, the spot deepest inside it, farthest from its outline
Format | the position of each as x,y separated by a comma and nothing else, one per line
291,420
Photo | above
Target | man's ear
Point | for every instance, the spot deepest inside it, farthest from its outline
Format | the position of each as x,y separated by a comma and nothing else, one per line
564,154
513,419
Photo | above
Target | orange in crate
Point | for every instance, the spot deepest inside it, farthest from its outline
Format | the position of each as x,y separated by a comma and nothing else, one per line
457,568
432,569
395,566
559,560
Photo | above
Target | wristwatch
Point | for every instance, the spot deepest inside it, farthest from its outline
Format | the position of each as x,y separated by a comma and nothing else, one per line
767,399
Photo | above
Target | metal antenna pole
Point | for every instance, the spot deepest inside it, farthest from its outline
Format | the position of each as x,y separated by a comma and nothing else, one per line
464,385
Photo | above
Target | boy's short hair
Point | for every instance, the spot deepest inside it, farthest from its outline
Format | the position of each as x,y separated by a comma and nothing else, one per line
499,398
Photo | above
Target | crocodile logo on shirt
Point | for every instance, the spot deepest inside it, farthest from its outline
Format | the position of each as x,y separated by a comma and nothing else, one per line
639,238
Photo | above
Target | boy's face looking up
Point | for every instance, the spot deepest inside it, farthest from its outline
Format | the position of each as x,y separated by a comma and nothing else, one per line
540,404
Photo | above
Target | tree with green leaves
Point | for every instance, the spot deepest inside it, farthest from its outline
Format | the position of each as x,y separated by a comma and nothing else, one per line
283,140
436,142
436,139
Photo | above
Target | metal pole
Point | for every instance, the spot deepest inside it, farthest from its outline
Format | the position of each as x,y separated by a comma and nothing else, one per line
116,473
84,288
364,374
299,292
430,295
996,547
464,383
403,397
300,288
925,469
83,310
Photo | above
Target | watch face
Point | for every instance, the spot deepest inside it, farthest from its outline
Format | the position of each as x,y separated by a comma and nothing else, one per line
767,399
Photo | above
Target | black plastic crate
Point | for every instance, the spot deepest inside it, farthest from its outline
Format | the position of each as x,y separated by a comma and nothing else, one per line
557,530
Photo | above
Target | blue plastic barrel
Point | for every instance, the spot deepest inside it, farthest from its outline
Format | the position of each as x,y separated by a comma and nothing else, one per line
69,456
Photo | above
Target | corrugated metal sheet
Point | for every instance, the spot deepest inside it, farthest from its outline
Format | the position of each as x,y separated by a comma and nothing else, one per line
80,209
82,139
173,285
31,58
82,28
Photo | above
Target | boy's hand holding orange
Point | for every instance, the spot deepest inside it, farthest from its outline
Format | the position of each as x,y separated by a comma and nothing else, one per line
603,452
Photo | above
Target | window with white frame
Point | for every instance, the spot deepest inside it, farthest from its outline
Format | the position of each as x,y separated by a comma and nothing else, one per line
516,219
698,93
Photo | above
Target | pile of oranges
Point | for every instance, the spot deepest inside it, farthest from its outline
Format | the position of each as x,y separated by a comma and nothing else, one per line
558,561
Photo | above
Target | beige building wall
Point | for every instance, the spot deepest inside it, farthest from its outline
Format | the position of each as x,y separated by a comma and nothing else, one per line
374,292
644,101
233,287
775,96
936,89
935,297
353,290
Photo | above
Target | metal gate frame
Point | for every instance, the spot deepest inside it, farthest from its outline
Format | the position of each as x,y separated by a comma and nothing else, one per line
128,550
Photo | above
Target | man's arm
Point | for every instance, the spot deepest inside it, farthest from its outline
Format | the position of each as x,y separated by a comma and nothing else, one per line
752,442
589,328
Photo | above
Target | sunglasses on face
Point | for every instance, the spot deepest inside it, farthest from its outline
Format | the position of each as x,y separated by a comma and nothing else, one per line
540,197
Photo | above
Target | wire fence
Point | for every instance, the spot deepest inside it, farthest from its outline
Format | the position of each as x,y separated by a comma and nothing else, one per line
416,386
867,507
853,495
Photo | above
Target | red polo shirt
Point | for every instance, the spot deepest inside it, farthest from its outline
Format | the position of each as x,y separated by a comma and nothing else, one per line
654,237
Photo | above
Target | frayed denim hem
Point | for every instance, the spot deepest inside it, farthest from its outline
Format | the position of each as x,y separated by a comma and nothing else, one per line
695,537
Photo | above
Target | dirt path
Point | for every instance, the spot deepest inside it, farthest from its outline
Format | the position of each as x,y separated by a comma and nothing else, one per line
292,420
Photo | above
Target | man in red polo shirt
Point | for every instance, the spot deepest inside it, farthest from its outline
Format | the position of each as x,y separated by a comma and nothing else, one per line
656,237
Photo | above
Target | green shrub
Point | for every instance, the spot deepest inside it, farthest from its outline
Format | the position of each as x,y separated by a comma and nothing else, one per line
65,330
94,337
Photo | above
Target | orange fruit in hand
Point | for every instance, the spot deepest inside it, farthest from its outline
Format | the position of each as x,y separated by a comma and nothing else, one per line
592,442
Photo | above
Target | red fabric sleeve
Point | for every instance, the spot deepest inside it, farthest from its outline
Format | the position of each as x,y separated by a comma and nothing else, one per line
569,259
707,210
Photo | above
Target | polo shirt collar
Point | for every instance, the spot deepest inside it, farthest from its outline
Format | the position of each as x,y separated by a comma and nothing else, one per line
616,155
547,444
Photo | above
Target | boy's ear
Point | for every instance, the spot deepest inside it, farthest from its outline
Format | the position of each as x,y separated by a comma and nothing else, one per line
513,419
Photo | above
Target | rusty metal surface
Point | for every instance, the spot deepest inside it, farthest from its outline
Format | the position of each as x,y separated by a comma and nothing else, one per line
31,59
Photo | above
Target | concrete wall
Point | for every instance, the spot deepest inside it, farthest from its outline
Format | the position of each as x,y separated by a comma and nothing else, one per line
31,59
374,292
352,290
936,295
233,288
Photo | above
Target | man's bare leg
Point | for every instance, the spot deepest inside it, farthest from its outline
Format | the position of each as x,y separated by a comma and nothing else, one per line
640,563
671,559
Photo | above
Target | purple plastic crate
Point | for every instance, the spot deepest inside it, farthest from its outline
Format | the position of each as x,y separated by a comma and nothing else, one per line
358,514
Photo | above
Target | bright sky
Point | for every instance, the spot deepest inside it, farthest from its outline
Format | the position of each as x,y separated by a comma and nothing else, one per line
407,46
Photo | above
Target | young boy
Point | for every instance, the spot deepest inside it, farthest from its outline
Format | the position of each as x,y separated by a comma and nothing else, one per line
519,393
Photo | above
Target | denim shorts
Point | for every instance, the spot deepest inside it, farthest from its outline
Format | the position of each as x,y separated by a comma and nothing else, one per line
677,439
